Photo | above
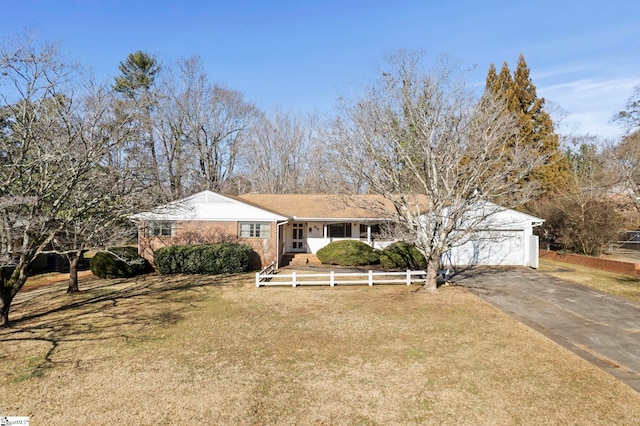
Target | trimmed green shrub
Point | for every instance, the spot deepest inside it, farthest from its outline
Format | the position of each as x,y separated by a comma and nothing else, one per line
211,259
402,255
167,260
119,262
348,253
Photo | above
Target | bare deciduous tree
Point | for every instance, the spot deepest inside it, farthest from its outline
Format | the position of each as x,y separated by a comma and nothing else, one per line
103,201
585,217
199,128
216,121
422,136
630,116
624,162
275,156
57,131
579,222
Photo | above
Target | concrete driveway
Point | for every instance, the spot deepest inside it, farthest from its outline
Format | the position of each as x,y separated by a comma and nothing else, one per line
601,328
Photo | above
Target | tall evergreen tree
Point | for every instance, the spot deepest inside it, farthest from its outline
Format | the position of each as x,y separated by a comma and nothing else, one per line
536,125
135,82
138,73
492,77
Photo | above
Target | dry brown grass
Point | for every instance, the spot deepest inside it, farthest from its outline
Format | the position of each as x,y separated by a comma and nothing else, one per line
617,284
207,350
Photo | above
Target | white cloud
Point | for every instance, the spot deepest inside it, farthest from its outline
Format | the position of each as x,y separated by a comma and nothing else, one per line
590,104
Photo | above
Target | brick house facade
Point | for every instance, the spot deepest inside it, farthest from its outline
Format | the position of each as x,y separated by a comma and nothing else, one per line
276,224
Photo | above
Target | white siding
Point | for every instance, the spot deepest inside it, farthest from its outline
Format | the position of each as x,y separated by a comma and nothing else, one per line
209,206
490,248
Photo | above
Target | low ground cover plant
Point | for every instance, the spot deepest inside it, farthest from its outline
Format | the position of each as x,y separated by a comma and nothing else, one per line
348,253
208,259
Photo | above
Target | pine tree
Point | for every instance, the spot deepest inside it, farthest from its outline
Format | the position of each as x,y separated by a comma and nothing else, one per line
138,73
536,125
492,78
136,84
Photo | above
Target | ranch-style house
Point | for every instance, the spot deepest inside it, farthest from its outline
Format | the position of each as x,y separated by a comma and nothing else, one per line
276,225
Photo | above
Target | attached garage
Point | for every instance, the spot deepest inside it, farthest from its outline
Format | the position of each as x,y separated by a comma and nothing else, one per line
508,241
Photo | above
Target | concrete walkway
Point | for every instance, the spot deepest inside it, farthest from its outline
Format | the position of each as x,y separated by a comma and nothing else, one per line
601,328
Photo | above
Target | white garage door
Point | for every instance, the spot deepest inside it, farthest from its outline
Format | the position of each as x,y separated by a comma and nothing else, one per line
490,248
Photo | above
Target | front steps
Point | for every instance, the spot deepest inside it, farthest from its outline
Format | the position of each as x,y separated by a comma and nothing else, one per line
300,259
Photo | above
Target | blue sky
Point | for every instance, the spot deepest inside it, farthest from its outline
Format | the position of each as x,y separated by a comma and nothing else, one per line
584,56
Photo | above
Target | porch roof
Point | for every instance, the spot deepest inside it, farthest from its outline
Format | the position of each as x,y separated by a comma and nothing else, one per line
323,206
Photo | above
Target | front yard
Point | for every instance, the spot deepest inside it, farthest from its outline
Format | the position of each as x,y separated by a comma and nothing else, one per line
217,350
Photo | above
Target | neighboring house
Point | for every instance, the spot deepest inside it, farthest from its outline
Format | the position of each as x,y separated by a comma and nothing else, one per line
275,224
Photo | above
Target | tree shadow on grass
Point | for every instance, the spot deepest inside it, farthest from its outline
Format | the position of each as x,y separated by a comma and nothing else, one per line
118,310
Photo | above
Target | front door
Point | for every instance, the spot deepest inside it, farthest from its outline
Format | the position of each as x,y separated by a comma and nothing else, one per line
297,242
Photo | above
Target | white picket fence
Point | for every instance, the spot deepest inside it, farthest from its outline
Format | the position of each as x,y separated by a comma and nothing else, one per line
268,277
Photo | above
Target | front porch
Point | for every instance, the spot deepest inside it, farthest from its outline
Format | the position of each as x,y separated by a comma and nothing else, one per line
311,236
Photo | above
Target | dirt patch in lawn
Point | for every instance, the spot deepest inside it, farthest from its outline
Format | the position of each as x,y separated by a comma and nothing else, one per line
217,350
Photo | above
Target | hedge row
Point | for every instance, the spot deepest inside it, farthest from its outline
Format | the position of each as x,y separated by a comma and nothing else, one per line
221,258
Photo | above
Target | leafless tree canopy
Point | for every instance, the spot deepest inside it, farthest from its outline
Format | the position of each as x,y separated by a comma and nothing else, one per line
623,161
630,116
57,186
275,156
190,132
414,136
587,217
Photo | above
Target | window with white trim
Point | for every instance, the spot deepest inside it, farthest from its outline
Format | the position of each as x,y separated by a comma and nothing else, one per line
254,230
160,229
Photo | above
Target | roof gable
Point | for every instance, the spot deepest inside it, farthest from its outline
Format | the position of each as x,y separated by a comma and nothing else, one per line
210,206
493,216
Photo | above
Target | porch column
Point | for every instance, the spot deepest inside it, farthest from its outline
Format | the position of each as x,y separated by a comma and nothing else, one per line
324,230
369,233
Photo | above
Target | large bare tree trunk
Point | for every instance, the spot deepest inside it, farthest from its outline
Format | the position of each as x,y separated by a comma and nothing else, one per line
11,284
5,300
74,259
430,282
